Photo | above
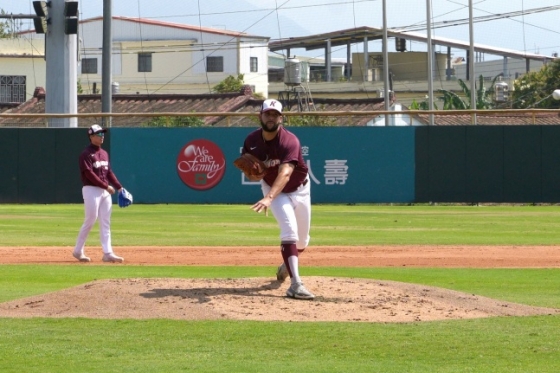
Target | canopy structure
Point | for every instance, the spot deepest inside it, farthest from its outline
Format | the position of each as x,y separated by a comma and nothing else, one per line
365,34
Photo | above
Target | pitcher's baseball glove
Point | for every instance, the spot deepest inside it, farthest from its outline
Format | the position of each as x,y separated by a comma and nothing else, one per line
251,166
125,198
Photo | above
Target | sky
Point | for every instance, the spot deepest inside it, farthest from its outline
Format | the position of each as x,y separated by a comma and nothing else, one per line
534,32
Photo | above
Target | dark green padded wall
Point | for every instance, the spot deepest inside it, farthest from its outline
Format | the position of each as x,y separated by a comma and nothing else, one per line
401,165
447,163
40,165
68,146
36,172
506,164
9,165
422,166
522,164
550,163
484,164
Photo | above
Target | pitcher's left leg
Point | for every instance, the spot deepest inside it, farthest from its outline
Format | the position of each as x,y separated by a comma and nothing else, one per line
105,211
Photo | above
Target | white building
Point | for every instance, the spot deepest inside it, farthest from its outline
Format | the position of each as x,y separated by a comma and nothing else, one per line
510,68
401,119
161,57
22,68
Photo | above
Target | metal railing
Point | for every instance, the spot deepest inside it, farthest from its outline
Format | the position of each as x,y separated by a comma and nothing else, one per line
311,118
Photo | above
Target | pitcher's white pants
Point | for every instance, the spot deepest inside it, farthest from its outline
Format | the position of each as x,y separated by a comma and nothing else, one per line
98,205
293,214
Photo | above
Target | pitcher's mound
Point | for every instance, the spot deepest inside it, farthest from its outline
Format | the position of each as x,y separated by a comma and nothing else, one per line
337,299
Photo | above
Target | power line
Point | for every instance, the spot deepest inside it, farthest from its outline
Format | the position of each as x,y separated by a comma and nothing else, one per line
491,17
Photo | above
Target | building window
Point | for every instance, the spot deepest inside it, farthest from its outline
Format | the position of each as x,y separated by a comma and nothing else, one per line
12,88
144,62
254,64
214,64
89,65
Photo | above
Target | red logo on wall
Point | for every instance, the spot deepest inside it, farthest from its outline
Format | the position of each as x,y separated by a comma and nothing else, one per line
201,164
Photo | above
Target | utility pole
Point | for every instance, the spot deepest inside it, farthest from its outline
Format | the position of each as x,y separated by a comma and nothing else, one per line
430,61
106,73
471,62
58,21
387,93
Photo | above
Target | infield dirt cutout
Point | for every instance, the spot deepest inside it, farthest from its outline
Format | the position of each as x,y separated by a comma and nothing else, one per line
337,299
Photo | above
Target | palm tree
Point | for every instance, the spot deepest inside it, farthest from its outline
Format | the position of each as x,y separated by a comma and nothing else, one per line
452,101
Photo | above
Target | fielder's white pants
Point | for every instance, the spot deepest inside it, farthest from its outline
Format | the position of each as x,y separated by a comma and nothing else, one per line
293,214
98,206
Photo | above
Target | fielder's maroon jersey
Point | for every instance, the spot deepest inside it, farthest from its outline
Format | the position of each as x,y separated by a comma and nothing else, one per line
284,148
95,169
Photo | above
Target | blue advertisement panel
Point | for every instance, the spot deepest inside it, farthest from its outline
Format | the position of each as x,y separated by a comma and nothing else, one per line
195,165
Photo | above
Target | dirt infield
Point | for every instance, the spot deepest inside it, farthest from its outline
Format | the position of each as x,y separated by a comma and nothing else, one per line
332,256
338,299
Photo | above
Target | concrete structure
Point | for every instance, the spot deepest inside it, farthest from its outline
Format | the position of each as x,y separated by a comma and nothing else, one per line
312,69
363,35
411,66
151,56
162,57
408,70
510,69
22,68
400,118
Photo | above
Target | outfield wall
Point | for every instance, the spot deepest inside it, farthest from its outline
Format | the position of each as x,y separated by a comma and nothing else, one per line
347,164
488,164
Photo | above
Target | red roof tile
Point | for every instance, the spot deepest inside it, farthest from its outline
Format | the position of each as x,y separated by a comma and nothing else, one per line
184,103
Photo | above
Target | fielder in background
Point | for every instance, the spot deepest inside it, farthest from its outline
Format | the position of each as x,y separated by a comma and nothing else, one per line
99,183
286,190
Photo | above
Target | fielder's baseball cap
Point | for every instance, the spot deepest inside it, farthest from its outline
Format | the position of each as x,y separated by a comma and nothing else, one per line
96,128
271,105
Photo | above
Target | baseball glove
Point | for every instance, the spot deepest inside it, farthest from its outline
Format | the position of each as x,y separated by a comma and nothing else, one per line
251,166
125,198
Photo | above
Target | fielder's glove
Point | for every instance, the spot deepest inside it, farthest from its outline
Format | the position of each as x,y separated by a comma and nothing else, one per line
252,167
125,198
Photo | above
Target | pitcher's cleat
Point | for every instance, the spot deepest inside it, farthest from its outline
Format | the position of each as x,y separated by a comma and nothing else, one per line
112,258
298,291
282,273
81,257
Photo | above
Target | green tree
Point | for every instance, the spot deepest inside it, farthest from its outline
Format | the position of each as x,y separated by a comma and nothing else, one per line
185,121
230,84
452,101
532,89
7,27
422,105
310,121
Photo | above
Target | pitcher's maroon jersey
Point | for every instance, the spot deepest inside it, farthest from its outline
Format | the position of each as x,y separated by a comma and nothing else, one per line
284,148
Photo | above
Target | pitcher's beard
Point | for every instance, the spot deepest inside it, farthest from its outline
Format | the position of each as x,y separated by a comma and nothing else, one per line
267,129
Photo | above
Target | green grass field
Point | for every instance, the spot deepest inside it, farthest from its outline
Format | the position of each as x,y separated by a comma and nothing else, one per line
512,344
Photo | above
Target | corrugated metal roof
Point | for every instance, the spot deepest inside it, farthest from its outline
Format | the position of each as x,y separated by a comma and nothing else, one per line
357,35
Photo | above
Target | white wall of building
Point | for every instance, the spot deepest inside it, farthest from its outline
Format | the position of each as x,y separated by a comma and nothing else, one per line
512,69
179,56
24,57
258,79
